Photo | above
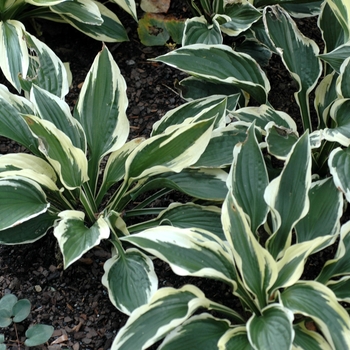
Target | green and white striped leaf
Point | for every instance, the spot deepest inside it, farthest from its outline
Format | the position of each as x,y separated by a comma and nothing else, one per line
14,59
69,162
130,280
45,69
218,153
307,339
298,53
273,329
235,338
198,31
340,288
44,3
186,215
21,199
128,6
315,300
199,332
287,196
21,104
341,9
340,265
75,238
249,178
263,115
29,166
220,64
172,150
50,107
189,252
323,217
207,184
101,110
254,263
149,323
336,57
196,110
339,167
343,87
242,15
28,231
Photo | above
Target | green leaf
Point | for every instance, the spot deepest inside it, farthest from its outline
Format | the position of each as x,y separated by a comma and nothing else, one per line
287,196
199,332
341,10
21,199
173,150
298,53
273,329
101,110
167,309
152,30
130,280
220,64
74,238
38,334
7,302
21,310
5,318
340,288
69,162
315,300
189,252
128,6
343,87
198,31
336,57
249,179
235,338
14,59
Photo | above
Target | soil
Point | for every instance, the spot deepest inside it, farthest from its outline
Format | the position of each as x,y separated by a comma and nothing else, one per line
74,301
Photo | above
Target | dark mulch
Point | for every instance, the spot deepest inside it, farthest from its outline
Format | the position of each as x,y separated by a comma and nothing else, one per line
73,301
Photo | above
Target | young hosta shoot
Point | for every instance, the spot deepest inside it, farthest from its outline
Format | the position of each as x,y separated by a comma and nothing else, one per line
14,311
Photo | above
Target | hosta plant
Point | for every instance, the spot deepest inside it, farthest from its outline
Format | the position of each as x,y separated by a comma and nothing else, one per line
89,16
82,177
14,311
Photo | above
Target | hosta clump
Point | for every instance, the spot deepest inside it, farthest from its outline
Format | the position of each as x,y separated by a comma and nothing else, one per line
14,311
62,184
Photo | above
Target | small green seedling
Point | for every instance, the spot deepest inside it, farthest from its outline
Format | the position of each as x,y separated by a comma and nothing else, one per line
14,310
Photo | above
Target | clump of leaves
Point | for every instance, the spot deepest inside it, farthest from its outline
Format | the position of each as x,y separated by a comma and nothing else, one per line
13,311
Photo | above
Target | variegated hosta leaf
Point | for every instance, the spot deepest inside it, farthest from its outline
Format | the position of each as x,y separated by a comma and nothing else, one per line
50,107
340,265
315,300
255,264
28,231
130,280
129,6
116,224
235,338
21,199
263,115
193,111
287,196
69,162
207,184
339,167
249,178
336,57
280,140
74,238
340,288
44,3
308,339
218,153
220,64
20,103
30,166
167,309
186,216
189,252
323,217
14,59
298,53
198,31
45,69
341,9
101,110
199,332
242,15
170,151
343,88
273,329
110,30
13,126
